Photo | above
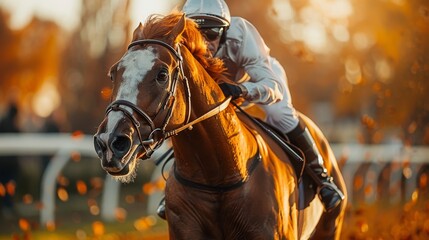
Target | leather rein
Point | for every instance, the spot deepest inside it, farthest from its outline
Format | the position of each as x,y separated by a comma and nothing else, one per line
159,134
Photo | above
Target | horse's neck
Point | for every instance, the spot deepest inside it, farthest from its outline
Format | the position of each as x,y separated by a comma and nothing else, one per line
216,150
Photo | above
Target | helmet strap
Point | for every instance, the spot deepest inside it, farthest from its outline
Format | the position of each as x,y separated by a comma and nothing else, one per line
223,37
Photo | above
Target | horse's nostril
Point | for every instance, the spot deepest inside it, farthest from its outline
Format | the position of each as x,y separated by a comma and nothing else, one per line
120,146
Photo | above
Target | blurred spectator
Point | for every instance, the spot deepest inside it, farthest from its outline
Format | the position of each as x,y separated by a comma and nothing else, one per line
50,125
9,165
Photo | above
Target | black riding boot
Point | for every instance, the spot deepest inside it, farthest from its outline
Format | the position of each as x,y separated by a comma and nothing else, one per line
161,209
328,192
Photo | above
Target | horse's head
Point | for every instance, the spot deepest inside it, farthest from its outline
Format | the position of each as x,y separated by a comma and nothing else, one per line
145,82
144,90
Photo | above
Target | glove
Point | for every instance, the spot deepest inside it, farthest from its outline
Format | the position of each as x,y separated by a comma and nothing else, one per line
231,90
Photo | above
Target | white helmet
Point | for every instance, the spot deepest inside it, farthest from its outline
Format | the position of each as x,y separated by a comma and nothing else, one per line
208,13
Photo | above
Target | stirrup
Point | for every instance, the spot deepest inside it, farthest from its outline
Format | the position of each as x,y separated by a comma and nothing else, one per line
161,209
330,195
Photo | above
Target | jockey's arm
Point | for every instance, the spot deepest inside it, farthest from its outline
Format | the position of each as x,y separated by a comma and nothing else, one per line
263,85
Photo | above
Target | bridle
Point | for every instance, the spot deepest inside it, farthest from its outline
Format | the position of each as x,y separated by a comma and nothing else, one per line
159,134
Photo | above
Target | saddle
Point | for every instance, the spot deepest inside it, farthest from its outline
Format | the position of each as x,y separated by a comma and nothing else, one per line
298,160
296,155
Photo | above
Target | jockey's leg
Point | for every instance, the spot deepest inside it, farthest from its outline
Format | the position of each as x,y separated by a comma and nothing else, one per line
284,117
328,192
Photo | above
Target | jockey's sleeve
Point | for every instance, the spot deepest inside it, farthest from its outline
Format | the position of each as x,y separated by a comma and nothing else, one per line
253,56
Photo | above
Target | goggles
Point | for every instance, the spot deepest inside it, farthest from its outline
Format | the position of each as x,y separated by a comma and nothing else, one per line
212,34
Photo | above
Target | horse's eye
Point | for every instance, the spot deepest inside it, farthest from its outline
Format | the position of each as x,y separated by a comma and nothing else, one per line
162,76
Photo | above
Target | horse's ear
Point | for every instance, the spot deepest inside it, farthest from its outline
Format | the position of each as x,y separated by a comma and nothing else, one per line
177,31
138,32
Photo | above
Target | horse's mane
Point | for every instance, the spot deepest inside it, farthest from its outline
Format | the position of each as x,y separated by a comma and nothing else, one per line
159,27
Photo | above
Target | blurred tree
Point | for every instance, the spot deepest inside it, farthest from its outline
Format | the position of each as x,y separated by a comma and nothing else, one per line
395,68
91,51
29,57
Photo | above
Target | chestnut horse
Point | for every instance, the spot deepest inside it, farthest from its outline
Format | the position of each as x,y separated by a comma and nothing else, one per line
229,180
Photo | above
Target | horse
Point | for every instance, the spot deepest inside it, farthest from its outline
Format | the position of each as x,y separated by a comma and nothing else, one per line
229,180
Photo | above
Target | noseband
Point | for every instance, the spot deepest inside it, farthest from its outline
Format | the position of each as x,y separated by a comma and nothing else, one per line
158,134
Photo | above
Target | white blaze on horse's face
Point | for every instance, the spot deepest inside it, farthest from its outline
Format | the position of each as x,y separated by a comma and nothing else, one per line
135,64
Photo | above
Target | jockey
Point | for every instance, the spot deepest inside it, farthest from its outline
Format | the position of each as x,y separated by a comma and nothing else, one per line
259,79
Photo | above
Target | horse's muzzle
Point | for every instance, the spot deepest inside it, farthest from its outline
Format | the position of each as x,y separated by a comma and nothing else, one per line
119,147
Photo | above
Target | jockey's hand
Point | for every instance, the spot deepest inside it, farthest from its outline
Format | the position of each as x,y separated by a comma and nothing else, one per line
231,90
